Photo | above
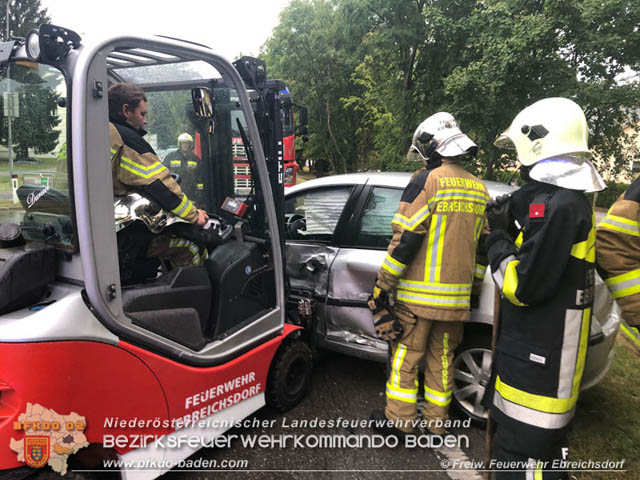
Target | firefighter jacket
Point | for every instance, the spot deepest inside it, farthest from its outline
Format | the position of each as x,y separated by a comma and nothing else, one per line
546,277
187,165
431,259
136,166
618,252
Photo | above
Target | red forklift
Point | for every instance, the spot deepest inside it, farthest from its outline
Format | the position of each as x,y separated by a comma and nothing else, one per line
94,369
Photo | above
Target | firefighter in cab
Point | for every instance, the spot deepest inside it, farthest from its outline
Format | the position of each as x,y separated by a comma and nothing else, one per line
542,255
618,257
423,291
185,163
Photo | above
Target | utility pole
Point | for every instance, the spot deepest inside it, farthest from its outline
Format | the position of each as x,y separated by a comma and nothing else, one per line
14,181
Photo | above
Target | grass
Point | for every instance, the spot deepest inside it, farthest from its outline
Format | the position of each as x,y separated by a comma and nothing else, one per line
607,422
42,164
303,176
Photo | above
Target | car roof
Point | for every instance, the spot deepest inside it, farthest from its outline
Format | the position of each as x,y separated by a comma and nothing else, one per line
382,179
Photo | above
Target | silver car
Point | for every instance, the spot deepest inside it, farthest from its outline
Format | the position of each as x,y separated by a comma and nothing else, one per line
338,229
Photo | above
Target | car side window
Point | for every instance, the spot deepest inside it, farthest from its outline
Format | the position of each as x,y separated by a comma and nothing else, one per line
374,229
313,215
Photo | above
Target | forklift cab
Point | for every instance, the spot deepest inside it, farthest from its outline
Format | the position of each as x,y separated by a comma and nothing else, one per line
204,314
72,337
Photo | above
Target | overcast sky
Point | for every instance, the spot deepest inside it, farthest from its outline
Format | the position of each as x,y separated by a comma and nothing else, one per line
230,27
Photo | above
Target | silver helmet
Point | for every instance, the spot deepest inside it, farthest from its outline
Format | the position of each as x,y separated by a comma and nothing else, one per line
439,136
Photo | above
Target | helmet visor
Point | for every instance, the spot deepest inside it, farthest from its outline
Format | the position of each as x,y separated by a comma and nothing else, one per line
457,144
504,141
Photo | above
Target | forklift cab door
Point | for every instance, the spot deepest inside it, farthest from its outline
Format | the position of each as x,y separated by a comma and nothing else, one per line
202,315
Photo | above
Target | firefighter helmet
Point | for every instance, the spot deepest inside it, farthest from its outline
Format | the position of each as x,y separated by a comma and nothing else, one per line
185,137
551,136
439,136
548,128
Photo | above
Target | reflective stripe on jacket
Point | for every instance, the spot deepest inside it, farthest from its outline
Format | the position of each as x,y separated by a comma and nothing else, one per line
134,164
618,252
431,259
547,284
187,165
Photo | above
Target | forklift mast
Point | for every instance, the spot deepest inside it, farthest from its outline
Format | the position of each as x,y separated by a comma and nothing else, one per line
267,106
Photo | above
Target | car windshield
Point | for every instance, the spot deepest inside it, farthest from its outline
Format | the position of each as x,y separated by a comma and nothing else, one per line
34,189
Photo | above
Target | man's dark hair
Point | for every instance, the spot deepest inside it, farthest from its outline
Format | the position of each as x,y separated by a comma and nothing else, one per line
124,94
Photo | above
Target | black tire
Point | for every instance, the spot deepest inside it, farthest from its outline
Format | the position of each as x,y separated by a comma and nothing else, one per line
289,376
472,368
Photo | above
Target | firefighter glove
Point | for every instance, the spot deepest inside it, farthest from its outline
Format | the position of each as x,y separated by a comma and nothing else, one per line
498,213
387,327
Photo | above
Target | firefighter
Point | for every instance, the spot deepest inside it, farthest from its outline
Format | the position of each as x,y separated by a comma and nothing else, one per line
136,167
186,164
428,272
541,252
618,256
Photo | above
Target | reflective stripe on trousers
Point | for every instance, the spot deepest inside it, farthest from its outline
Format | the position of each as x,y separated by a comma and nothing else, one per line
552,412
534,470
409,395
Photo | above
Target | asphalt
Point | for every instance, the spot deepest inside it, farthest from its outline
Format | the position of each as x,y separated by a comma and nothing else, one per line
342,388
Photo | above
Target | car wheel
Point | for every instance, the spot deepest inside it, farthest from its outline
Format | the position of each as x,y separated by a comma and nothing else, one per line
472,369
289,376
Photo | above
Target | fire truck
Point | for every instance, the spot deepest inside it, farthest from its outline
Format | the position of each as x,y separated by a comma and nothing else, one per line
95,368
278,114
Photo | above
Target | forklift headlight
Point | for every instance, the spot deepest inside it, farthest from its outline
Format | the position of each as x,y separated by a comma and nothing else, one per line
32,44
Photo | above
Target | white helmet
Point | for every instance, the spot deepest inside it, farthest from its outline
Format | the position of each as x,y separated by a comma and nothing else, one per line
439,134
552,136
548,128
185,137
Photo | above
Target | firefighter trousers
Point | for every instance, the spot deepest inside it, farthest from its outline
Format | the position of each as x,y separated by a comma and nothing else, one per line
509,464
435,341
179,251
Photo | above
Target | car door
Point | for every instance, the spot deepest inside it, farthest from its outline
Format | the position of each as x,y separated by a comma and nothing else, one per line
363,245
312,216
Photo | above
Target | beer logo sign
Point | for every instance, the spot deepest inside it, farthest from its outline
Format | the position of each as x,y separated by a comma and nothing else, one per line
36,450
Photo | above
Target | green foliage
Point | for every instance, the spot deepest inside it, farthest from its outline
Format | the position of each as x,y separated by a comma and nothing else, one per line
34,128
371,70
23,16
313,50
168,116
606,198
606,425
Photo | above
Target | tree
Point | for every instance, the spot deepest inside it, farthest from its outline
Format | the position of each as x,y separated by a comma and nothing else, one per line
168,116
521,51
34,128
412,46
371,70
23,16
314,50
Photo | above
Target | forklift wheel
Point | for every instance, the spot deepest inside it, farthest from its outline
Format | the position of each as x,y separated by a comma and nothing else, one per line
289,376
